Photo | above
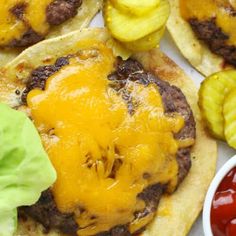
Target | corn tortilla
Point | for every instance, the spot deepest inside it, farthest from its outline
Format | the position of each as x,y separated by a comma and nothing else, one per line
194,50
177,212
86,12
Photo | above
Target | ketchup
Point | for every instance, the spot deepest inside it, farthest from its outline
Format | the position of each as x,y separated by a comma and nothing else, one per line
223,210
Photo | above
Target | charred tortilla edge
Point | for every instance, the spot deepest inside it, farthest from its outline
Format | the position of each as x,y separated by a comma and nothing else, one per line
179,210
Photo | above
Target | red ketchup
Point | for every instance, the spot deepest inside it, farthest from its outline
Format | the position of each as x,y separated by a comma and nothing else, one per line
223,210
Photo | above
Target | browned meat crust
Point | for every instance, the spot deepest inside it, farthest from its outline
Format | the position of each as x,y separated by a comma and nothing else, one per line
61,10
173,100
28,38
46,212
119,230
19,10
57,12
215,39
41,74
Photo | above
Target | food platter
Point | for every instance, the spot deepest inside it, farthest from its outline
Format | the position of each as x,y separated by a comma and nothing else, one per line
168,46
124,121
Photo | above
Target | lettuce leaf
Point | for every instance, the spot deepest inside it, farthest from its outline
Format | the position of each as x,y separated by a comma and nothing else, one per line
25,169
8,222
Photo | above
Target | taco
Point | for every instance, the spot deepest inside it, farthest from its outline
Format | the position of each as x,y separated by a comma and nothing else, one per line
24,23
204,31
123,135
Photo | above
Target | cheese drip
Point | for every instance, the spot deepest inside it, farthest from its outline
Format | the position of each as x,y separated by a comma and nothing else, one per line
34,16
222,10
86,129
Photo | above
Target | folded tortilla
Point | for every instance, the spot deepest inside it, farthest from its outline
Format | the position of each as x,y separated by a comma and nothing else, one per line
176,212
86,12
194,50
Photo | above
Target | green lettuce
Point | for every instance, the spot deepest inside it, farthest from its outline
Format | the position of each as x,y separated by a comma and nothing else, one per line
25,169
8,222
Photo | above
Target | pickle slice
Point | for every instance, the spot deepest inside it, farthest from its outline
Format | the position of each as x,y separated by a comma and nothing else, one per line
127,27
146,43
211,98
229,112
135,7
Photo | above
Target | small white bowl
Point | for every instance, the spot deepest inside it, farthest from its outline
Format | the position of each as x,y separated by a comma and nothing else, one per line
229,165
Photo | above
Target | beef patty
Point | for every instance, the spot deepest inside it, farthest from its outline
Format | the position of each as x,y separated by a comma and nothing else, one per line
57,12
45,210
61,10
215,38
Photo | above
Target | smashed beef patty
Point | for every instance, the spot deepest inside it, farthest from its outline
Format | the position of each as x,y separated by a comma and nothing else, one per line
45,210
215,38
56,13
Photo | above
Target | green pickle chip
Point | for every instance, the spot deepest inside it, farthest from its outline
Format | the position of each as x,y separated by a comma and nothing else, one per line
229,111
211,99
135,7
128,28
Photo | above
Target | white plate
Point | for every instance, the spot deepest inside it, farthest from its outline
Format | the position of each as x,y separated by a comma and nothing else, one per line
168,46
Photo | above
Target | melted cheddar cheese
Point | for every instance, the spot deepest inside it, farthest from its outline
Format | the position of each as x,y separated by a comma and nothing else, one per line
34,16
207,9
86,129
